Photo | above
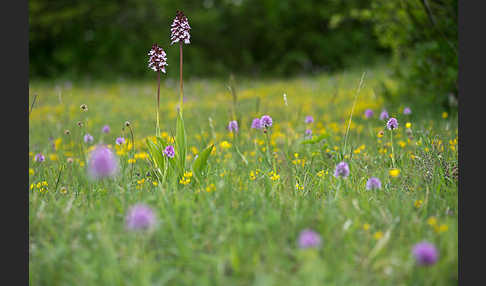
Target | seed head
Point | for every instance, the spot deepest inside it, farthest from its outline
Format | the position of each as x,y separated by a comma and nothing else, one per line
127,123
84,107
67,132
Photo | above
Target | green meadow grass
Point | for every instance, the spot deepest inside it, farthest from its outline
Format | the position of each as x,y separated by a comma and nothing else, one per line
239,226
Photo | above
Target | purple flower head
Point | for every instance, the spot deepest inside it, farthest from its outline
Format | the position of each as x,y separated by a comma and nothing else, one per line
308,132
256,123
157,59
407,111
169,151
102,163
266,121
233,126
88,138
384,115
179,30
342,170
105,129
425,253
309,119
39,157
373,183
140,217
368,113
392,124
309,238
120,141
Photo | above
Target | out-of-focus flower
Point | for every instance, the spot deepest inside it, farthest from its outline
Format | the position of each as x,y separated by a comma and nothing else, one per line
179,30
309,239
256,123
425,253
309,119
342,170
120,141
445,115
392,124
140,217
105,129
407,111
39,157
102,162
308,132
266,121
373,183
88,138
157,59
368,113
384,115
169,151
233,126
394,173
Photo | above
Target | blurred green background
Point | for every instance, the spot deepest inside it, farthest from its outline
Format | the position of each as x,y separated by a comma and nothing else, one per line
108,39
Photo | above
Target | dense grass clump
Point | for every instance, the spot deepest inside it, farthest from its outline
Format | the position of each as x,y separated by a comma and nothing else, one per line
269,210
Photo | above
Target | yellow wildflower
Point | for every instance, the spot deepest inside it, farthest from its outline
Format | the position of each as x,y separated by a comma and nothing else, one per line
31,171
432,221
418,203
408,125
394,172
210,188
225,145
366,226
445,115
378,235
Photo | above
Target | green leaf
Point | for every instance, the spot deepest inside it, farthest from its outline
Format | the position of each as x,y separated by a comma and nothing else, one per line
181,145
156,157
201,161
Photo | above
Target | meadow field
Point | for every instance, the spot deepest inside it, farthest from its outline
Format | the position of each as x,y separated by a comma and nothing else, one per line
241,223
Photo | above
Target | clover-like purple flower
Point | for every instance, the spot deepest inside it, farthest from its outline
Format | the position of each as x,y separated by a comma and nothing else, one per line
392,124
407,111
233,126
368,113
88,138
384,115
39,157
102,163
309,239
309,119
169,151
179,30
120,141
373,183
140,217
256,123
342,170
425,253
157,59
308,132
266,121
105,129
